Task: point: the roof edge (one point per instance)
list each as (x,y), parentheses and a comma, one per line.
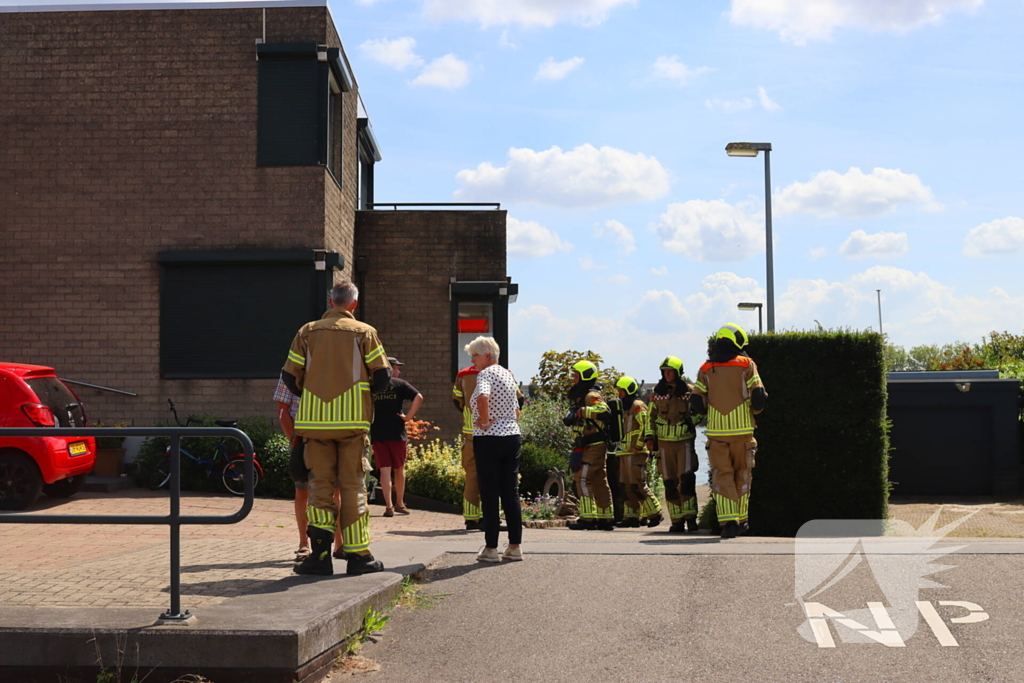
(134,5)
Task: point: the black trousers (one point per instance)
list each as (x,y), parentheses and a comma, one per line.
(497,471)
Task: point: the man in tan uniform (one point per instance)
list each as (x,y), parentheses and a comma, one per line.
(330,366)
(670,433)
(465,383)
(729,386)
(586,418)
(641,508)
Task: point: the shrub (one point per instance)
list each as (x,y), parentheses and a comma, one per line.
(822,440)
(541,507)
(541,425)
(434,470)
(534,464)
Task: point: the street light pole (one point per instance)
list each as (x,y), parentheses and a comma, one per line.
(751,149)
(749,306)
(879,293)
(768,238)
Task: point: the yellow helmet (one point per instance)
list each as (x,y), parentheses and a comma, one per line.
(735,333)
(587,370)
(673,363)
(627,384)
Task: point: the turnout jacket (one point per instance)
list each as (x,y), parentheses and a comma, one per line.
(588,428)
(726,389)
(462,391)
(670,418)
(635,419)
(333,360)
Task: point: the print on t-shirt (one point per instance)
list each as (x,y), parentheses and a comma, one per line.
(387,404)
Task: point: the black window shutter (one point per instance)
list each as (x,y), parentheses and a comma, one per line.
(289,111)
(220,320)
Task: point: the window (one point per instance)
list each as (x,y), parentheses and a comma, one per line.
(300,106)
(234,314)
(476,318)
(479,308)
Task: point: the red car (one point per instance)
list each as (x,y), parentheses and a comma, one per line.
(32,396)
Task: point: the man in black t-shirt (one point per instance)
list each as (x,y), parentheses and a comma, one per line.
(388,435)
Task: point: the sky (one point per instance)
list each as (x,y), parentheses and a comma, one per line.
(600,126)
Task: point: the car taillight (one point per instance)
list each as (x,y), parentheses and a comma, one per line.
(38,414)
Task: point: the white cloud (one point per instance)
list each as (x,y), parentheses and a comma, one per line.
(660,271)
(550,70)
(710,231)
(878,245)
(767,103)
(368,2)
(729,106)
(398,53)
(526,239)
(1004,236)
(583,177)
(801,21)
(670,68)
(622,235)
(853,194)
(505,41)
(587,263)
(447,72)
(817,253)
(526,13)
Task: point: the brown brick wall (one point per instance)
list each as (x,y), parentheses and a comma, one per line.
(410,258)
(126,133)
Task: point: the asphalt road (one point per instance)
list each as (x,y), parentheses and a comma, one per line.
(597,617)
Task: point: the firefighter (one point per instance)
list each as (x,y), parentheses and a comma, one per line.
(330,366)
(465,383)
(641,508)
(587,417)
(730,390)
(671,433)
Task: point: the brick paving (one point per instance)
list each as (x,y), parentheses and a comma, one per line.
(72,566)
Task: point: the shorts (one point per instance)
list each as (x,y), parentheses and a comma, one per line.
(389,453)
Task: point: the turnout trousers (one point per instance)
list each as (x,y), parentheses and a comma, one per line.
(471,509)
(343,461)
(640,502)
(678,469)
(731,459)
(592,484)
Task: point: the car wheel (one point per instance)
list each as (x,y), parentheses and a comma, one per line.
(20,481)
(65,488)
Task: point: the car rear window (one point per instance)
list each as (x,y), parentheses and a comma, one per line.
(58,398)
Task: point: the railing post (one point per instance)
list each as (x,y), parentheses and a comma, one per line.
(175,613)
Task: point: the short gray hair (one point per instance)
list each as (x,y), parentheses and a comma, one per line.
(484,346)
(344,293)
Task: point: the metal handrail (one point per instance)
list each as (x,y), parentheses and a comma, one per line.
(97,386)
(496,205)
(174,519)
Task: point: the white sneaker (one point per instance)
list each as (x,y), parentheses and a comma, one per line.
(512,554)
(488,555)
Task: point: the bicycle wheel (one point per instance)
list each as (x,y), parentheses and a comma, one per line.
(160,475)
(234,476)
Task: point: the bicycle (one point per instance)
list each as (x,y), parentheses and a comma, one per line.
(232,471)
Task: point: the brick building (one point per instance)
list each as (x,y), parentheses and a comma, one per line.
(180,187)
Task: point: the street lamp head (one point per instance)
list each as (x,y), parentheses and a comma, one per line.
(748,306)
(747,149)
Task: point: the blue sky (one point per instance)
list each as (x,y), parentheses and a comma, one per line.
(601,125)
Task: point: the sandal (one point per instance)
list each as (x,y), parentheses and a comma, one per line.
(302,553)
(389,512)
(401,509)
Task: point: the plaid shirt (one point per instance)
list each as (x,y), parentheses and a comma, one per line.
(283,395)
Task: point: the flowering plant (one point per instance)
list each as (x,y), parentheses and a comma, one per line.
(541,507)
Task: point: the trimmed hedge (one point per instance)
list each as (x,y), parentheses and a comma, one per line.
(823,443)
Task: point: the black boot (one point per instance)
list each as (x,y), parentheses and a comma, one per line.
(677,528)
(692,526)
(363,564)
(730,530)
(582,525)
(318,562)
(608,525)
(628,523)
(744,528)
(473,525)
(655,519)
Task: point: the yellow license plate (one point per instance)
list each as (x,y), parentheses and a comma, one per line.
(78,448)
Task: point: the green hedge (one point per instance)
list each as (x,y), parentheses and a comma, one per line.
(534,464)
(823,441)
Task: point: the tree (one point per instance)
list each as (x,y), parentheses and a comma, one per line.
(554,374)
